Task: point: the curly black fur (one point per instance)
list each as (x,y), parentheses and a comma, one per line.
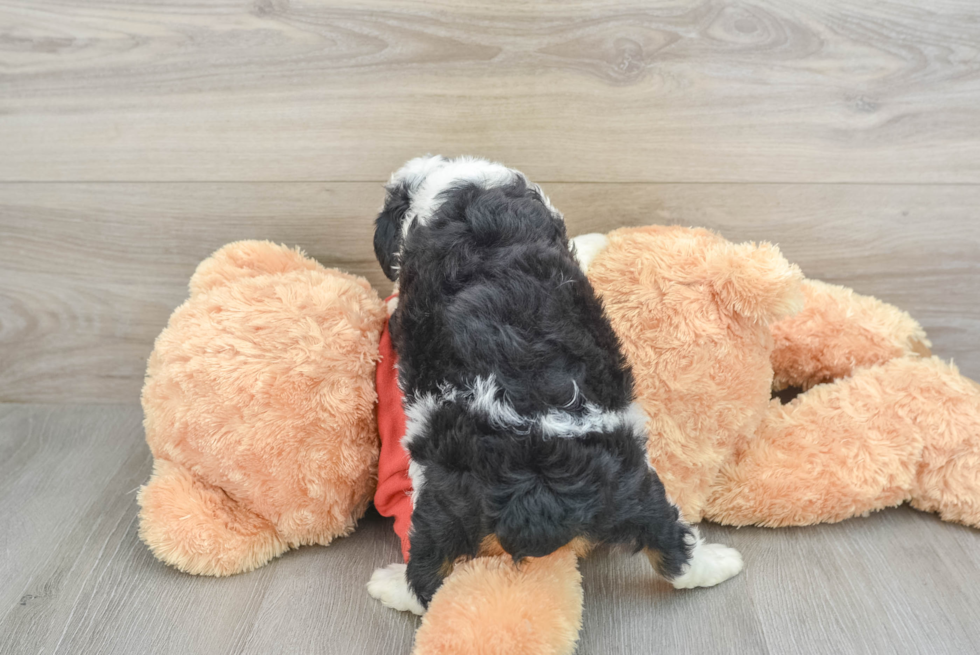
(489,289)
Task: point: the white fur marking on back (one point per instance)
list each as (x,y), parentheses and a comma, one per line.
(482,395)
(485,398)
(556,422)
(417,415)
(416,473)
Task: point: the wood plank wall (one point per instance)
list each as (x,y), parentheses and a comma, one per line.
(136,136)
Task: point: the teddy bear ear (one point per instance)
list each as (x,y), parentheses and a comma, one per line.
(755,280)
(243,259)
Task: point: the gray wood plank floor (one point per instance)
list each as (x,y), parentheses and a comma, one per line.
(74,577)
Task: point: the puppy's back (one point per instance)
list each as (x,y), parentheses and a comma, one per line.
(490,290)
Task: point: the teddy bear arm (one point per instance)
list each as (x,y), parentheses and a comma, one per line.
(199,529)
(838,331)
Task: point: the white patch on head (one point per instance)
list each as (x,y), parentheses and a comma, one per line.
(428,177)
(586,247)
(709,565)
(414,171)
(390,586)
(427,199)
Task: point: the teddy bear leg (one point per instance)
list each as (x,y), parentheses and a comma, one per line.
(948,480)
(491,606)
(837,331)
(836,451)
(198,529)
(908,430)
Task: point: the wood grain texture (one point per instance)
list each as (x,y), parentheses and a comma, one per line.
(89,273)
(76,579)
(896,582)
(303,90)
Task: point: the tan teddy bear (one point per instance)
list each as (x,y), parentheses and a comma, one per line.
(260,395)
(259,407)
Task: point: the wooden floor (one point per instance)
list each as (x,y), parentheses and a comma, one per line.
(76,579)
(137,136)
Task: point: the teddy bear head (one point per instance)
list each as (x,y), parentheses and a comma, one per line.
(259,411)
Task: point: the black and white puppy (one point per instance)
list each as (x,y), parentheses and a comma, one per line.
(519,401)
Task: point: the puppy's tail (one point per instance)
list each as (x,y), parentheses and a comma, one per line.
(535,523)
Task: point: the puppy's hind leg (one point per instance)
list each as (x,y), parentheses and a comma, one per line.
(390,586)
(438,540)
(440,535)
(676,549)
(708,565)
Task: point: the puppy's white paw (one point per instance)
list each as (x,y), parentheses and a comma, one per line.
(709,565)
(390,586)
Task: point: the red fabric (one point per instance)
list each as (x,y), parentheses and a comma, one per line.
(394,494)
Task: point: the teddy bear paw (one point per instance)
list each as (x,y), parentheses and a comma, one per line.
(390,586)
(710,564)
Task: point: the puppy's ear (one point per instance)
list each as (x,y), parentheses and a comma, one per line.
(388,228)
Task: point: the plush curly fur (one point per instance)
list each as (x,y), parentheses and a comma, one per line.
(711,327)
(259,411)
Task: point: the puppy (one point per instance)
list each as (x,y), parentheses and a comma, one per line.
(519,402)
